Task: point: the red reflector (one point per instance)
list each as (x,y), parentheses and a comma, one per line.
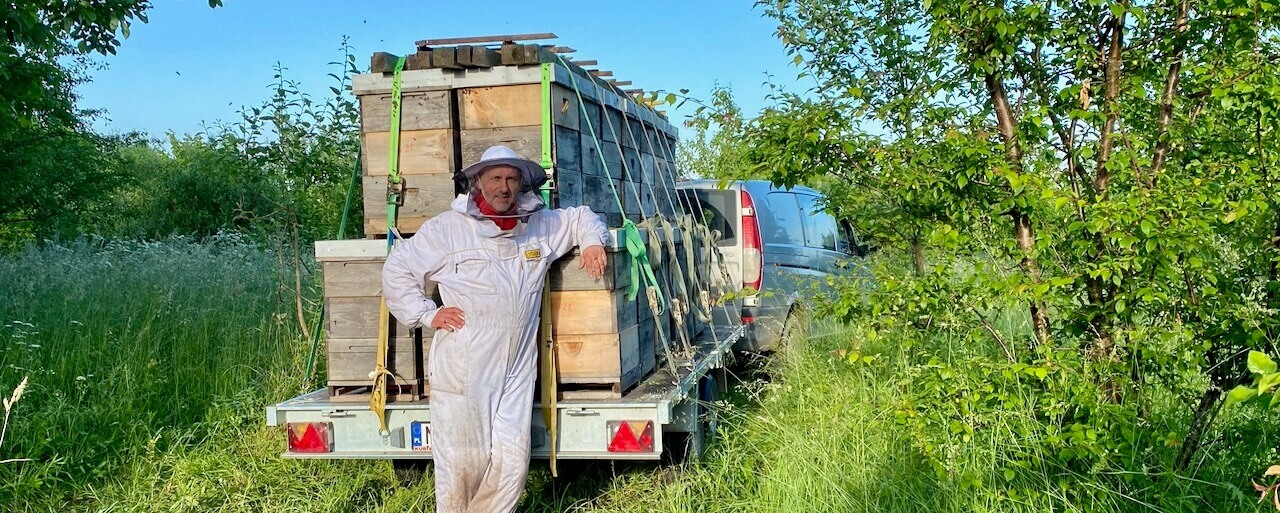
(310,436)
(630,436)
(747,319)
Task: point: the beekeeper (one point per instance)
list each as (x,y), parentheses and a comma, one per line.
(489,255)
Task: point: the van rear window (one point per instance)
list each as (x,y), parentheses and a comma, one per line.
(711,206)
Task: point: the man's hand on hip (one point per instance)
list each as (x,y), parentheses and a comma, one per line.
(449,319)
(594,261)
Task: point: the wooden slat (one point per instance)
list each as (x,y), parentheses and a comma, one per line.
(517,55)
(497,107)
(421,152)
(486,39)
(596,73)
(620,83)
(445,58)
(383,62)
(362,279)
(586,312)
(482,57)
(610,358)
(585,63)
(418,60)
(562,49)
(426,110)
(526,141)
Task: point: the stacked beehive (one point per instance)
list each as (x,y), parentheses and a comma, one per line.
(607,151)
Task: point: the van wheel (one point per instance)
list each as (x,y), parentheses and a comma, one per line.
(796,326)
(692,447)
(408,473)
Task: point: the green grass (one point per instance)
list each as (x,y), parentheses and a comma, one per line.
(151,364)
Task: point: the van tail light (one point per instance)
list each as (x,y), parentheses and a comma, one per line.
(310,436)
(752,250)
(630,435)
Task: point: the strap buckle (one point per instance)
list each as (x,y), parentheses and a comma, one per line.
(395,192)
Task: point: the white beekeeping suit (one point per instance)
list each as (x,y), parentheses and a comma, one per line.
(482,374)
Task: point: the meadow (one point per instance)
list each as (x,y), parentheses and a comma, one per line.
(149,365)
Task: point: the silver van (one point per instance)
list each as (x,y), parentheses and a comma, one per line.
(779,242)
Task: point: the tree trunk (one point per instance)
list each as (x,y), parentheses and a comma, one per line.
(1204,414)
(917,251)
(1024,236)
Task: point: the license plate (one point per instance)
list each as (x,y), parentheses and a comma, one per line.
(420,436)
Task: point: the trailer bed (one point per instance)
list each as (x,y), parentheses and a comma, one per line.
(664,398)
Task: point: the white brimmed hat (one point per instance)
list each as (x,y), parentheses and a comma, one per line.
(532,173)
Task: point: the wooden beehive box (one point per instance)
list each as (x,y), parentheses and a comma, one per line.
(352,277)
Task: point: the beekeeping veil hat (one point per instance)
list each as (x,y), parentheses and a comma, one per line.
(531,172)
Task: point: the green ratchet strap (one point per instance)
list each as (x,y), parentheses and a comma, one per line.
(630,234)
(342,234)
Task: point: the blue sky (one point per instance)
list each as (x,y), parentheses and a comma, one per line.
(192,64)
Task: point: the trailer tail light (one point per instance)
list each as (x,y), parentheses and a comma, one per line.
(630,435)
(310,436)
(752,250)
(748,319)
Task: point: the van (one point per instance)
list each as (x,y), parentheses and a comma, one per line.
(778,242)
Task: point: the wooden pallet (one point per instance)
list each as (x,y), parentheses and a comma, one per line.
(398,392)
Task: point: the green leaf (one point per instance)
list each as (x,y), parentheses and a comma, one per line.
(1267,382)
(1240,394)
(671,98)
(1260,363)
(1231,216)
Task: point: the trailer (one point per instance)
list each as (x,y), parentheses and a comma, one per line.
(628,364)
(665,413)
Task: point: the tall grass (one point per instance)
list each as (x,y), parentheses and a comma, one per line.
(125,344)
(150,365)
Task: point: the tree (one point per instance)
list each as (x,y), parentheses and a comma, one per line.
(1116,153)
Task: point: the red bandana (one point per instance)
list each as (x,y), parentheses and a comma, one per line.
(505,223)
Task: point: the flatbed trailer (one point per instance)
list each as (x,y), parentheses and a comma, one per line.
(666,412)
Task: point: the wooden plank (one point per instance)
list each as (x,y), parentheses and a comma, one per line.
(497,107)
(482,57)
(350,360)
(600,73)
(362,279)
(486,39)
(607,358)
(585,63)
(463,56)
(517,55)
(440,79)
(562,49)
(426,110)
(418,60)
(425,196)
(383,62)
(564,274)
(526,141)
(357,317)
(445,58)
(588,312)
(421,152)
